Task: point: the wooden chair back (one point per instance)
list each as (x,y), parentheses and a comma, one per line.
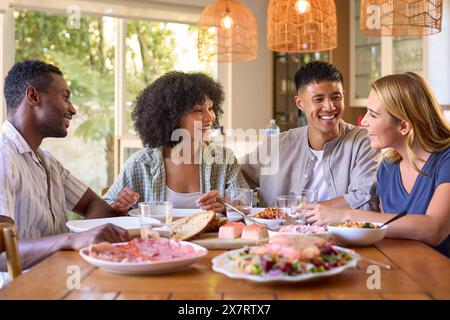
(8,244)
(104,190)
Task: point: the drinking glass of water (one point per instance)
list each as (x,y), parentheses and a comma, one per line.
(306,198)
(155,214)
(241,199)
(286,206)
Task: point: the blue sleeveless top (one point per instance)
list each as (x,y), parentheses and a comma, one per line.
(396,199)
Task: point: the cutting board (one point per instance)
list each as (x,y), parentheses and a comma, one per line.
(211,241)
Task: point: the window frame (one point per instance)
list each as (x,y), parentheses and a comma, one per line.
(387,63)
(120,144)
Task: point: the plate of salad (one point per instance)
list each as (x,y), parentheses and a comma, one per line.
(286,258)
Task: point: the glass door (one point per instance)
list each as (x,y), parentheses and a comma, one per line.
(407,55)
(367,59)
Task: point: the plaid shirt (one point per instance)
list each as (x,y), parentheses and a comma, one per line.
(144,172)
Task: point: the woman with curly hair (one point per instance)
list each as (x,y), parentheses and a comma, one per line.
(173,117)
(404,118)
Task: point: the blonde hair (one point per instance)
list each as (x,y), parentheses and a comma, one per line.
(408,97)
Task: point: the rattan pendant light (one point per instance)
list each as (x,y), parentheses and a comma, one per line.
(400,17)
(227,32)
(301,25)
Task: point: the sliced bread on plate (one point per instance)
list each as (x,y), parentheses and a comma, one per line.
(189,227)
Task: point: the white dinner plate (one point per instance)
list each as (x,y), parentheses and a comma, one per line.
(148,267)
(123,222)
(176,213)
(223,264)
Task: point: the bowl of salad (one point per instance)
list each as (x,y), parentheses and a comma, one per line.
(356,233)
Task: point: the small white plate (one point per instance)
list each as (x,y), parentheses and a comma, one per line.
(324,234)
(176,213)
(123,222)
(148,267)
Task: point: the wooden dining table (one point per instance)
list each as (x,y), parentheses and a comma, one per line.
(418,272)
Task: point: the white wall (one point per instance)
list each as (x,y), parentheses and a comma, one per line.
(252,81)
(439,58)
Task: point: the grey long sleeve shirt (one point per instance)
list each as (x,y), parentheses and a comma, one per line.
(349,169)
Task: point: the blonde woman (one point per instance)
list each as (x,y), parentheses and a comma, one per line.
(404,118)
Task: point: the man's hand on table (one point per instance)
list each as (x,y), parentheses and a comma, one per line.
(104,233)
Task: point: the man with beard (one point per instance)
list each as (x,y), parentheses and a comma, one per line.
(36,191)
(328,155)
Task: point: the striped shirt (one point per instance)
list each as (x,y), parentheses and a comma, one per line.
(144,172)
(36,191)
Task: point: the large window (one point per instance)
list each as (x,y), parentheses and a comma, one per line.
(154,48)
(86,56)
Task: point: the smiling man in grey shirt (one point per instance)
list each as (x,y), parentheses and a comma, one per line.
(328,155)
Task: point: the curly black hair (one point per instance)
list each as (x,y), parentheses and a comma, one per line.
(160,106)
(23,74)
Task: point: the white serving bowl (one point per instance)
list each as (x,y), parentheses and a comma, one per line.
(271,223)
(358,236)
